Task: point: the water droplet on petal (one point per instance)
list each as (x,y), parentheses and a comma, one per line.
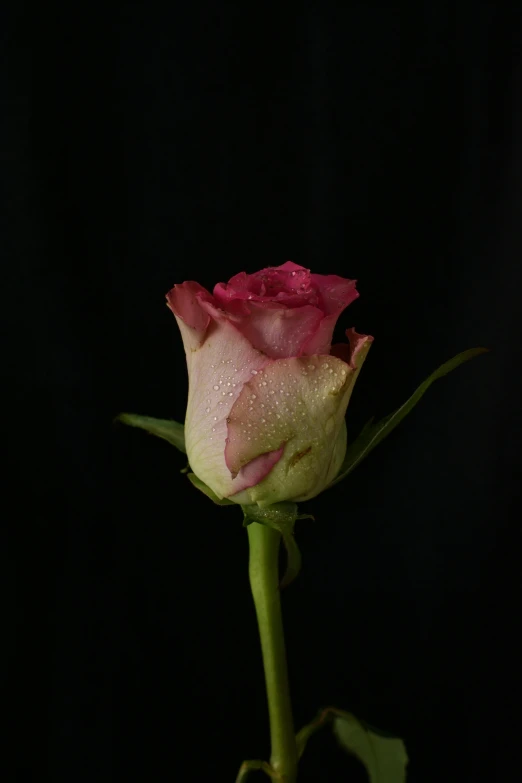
(253,372)
(215,387)
(230,394)
(207,410)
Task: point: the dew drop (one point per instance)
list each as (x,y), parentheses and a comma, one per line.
(207,410)
(311,366)
(264,383)
(287,394)
(253,397)
(215,387)
(230,394)
(253,372)
(223,394)
(263,421)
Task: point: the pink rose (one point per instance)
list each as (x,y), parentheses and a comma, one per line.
(267,391)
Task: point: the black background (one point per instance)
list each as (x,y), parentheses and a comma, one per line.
(144,146)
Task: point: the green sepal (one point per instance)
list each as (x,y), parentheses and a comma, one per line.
(372,434)
(171,431)
(280,517)
(208,492)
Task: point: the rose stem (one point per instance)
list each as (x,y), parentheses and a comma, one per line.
(264,581)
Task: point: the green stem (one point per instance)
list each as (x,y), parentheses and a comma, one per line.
(264,582)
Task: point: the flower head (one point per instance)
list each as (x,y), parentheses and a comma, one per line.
(267,391)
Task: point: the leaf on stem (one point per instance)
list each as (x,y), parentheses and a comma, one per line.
(372,434)
(171,431)
(384,757)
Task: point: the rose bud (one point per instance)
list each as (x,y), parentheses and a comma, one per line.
(267,390)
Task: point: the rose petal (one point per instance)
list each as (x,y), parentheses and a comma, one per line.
(215,382)
(279,331)
(185,302)
(335,294)
(256,470)
(299,402)
(348,352)
(288,284)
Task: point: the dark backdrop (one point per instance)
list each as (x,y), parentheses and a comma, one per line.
(144,146)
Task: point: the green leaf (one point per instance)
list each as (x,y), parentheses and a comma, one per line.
(171,431)
(280,517)
(208,492)
(384,757)
(372,434)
